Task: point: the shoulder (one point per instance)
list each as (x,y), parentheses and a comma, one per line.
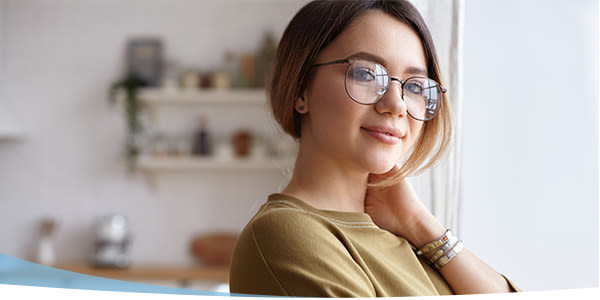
(298,252)
(291,221)
(274,244)
(285,216)
(280,222)
(293,239)
(286,231)
(282,225)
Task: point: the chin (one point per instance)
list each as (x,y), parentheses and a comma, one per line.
(380,161)
(381,166)
(382,171)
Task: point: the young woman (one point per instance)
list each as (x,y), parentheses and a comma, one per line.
(358,84)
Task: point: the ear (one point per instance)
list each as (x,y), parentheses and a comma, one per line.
(301,105)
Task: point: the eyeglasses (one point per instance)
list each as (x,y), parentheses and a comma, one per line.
(367,82)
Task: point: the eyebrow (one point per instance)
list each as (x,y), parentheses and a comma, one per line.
(416,71)
(381,61)
(368,56)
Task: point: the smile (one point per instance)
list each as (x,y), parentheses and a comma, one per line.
(384,134)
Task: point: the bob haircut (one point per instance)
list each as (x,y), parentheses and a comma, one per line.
(312,29)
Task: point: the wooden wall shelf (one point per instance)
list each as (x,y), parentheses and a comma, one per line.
(150,163)
(183,275)
(178,96)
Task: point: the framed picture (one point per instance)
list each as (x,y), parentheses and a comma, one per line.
(144,58)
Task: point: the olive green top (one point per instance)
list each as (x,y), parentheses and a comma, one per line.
(290,248)
(293,249)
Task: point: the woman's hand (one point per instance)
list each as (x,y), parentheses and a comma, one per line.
(398,209)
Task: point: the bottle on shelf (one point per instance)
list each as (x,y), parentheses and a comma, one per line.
(202,142)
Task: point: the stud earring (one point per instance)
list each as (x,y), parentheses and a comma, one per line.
(301,108)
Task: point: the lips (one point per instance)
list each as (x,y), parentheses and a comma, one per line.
(384,134)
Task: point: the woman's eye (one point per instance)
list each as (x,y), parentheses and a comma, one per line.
(413,88)
(362,74)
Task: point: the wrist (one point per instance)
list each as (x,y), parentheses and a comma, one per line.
(425,230)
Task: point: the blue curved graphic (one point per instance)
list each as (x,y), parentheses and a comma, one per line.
(16,271)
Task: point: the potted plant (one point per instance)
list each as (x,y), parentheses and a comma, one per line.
(133,106)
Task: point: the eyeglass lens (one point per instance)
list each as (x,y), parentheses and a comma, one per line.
(367,82)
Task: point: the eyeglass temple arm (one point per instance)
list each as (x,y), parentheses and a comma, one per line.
(442,89)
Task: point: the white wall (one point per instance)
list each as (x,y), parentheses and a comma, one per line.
(530,201)
(61,57)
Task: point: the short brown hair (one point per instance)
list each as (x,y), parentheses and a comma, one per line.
(312,29)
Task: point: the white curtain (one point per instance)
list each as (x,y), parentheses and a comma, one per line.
(440,187)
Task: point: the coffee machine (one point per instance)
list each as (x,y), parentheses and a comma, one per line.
(112,242)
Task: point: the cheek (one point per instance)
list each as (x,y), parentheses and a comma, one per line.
(415,128)
(329,105)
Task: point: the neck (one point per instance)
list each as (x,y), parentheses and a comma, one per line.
(326,183)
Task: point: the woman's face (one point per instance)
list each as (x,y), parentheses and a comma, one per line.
(371,138)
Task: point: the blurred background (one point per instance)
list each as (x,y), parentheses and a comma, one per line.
(135,134)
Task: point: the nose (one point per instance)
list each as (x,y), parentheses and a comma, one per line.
(392,101)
